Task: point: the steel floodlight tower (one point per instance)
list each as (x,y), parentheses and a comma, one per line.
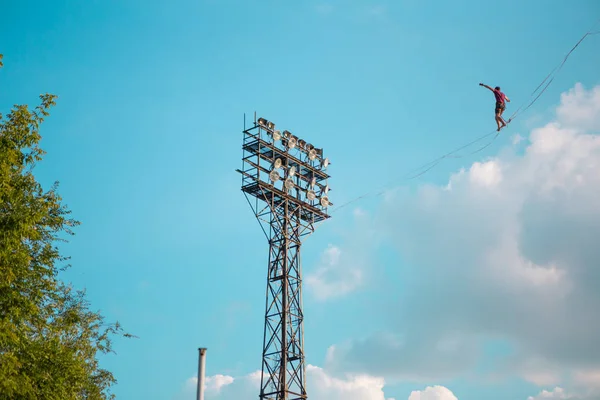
(285,183)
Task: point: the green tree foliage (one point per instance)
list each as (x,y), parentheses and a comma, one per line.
(49,339)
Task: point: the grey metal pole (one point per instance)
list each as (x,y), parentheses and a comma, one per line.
(201,369)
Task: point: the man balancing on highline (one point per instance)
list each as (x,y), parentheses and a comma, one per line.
(501,100)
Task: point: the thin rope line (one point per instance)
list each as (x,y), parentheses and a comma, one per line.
(435,162)
(556,69)
(431,165)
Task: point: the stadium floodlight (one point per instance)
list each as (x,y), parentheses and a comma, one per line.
(325,163)
(289,184)
(292,171)
(310,193)
(292,142)
(274,176)
(287,213)
(324,198)
(270,125)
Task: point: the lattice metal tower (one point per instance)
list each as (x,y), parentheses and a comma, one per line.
(285,183)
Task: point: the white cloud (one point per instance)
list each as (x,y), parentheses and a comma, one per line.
(320,384)
(539,371)
(516,139)
(587,377)
(556,394)
(359,387)
(579,108)
(509,249)
(217,382)
(411,357)
(433,393)
(213,385)
(338,274)
(344,270)
(333,278)
(220,387)
(487,174)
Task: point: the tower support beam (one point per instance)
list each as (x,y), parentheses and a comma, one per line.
(283,369)
(288,208)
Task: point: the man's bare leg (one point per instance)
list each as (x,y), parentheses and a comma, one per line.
(502,118)
(499,122)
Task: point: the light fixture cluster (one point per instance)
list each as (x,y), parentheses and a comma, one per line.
(313,157)
(290,142)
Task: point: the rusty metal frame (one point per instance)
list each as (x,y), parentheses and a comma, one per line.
(285,219)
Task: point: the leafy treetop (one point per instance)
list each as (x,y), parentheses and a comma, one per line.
(49,338)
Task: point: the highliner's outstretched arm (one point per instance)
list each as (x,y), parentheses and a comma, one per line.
(486,86)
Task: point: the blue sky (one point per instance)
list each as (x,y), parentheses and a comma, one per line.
(146,136)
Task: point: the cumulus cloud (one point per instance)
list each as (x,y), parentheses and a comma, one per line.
(222,387)
(556,394)
(341,270)
(359,387)
(213,384)
(516,139)
(334,277)
(559,393)
(589,378)
(217,382)
(433,393)
(322,387)
(488,174)
(579,107)
(507,250)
